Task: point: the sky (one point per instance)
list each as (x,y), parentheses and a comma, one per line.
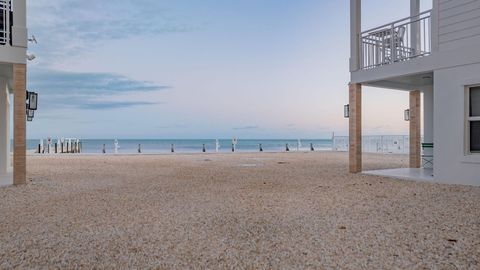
(202,69)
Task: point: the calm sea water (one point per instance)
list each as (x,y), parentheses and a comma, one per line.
(128,146)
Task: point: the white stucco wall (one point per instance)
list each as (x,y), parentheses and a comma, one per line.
(452,164)
(17,52)
(4,128)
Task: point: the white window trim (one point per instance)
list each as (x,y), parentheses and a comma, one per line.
(469,119)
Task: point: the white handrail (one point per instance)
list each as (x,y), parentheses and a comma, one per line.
(397,21)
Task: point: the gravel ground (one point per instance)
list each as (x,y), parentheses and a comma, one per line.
(234,211)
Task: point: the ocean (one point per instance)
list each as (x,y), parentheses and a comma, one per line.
(152,146)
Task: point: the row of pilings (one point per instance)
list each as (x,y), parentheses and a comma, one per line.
(60,147)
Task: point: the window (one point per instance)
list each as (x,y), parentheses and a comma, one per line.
(473,123)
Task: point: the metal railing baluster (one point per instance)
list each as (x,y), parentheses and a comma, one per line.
(395,42)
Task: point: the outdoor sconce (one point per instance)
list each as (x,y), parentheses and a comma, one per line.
(30,115)
(406,115)
(32,98)
(346,111)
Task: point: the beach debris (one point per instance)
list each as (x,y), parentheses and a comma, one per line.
(342,227)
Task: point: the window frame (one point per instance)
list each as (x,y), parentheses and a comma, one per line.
(468,120)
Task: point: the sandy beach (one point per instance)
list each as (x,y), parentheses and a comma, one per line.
(234,211)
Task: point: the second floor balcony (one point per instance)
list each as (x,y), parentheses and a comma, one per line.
(398,41)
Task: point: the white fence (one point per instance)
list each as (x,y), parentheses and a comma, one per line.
(389,144)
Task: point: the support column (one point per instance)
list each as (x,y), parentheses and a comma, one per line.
(355,128)
(415,159)
(415,30)
(428,114)
(355,30)
(4,127)
(19,124)
(428,123)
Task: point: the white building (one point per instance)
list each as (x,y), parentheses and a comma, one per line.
(13,49)
(434,52)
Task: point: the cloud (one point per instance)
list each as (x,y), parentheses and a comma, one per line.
(70,27)
(172,126)
(380,127)
(113,105)
(78,83)
(90,91)
(246,128)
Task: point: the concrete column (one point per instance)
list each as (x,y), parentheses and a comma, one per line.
(355,30)
(4,127)
(415,159)
(428,122)
(415,29)
(19,124)
(355,128)
(428,114)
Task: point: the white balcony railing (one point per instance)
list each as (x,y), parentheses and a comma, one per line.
(5,21)
(395,42)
